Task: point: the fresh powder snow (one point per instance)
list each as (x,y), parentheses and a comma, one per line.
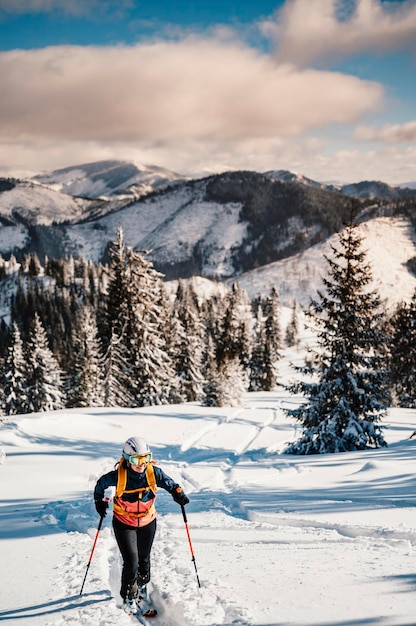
(279,540)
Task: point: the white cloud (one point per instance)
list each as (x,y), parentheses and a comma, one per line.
(311,156)
(390,164)
(306,31)
(207,104)
(390,133)
(194,89)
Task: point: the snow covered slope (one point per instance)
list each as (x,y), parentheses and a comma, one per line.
(218,227)
(171,229)
(389,243)
(362,189)
(278,540)
(30,203)
(108,178)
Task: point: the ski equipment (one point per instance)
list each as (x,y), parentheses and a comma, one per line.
(130,606)
(93,548)
(146,608)
(190,543)
(180,497)
(122,479)
(136,451)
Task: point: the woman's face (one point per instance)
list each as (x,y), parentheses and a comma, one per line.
(138,468)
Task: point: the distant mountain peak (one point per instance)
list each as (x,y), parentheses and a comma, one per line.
(108,178)
(286,176)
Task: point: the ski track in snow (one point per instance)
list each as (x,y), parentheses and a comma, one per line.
(249,505)
(295,529)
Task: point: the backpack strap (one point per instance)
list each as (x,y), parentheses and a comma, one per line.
(122,479)
(150,476)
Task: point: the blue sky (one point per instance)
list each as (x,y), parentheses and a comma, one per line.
(106,23)
(325,88)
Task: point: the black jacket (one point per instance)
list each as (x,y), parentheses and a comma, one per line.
(134,481)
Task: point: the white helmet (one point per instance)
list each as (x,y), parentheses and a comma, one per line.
(136,447)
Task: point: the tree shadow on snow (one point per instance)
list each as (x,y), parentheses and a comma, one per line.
(360,622)
(55,606)
(37,517)
(61,447)
(408,580)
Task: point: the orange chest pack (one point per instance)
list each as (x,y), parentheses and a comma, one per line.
(144,508)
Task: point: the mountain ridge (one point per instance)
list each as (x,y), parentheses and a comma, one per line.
(108,177)
(104,179)
(221,226)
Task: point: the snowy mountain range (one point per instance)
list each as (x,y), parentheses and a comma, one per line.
(104,179)
(364,189)
(257,228)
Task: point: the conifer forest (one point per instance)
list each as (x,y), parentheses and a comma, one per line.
(81,334)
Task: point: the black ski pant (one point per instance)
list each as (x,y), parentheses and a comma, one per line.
(135,544)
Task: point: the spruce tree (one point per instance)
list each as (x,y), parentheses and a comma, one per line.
(117,374)
(210,388)
(234,340)
(189,346)
(87,380)
(266,343)
(117,324)
(45,389)
(272,337)
(227,383)
(118,311)
(15,376)
(346,401)
(403,354)
(153,372)
(258,356)
(174,333)
(135,320)
(292,329)
(230,331)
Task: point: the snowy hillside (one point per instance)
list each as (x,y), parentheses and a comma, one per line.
(217,227)
(26,202)
(278,539)
(374,189)
(170,229)
(108,178)
(220,227)
(111,177)
(286,176)
(362,189)
(389,242)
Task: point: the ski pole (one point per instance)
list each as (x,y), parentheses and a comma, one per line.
(93,548)
(190,542)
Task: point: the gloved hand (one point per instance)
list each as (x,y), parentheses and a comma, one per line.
(180,497)
(101,507)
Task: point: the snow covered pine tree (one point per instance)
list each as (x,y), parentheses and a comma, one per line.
(345,404)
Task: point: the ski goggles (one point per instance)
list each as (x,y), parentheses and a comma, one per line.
(138,459)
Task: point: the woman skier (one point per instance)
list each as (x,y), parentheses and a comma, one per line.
(136,479)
